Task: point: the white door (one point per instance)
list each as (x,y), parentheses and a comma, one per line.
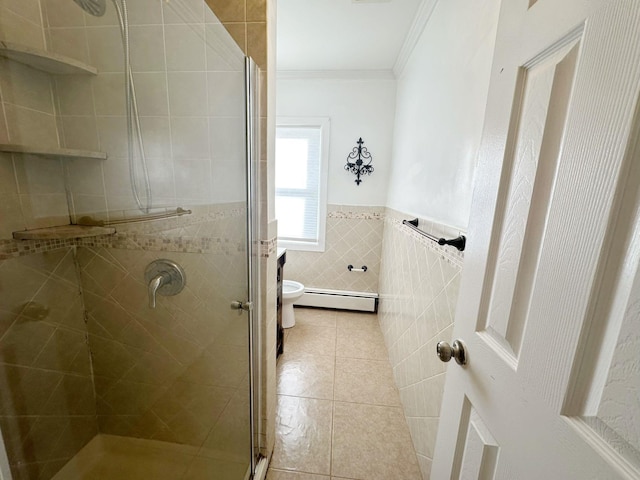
(549,308)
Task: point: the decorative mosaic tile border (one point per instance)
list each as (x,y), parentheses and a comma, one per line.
(155,238)
(173,234)
(125,241)
(268,247)
(21,248)
(357,215)
(352,212)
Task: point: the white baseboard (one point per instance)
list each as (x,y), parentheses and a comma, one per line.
(339,299)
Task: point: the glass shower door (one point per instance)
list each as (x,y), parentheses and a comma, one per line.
(131,134)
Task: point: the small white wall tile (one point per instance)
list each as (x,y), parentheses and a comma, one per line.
(184,12)
(80,132)
(225,89)
(190,137)
(63,14)
(112,134)
(185,48)
(17,29)
(187,93)
(152,94)
(26,87)
(146,47)
(156,135)
(30,127)
(105,48)
(27,9)
(108,93)
(72,42)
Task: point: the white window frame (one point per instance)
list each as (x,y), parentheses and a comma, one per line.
(324,124)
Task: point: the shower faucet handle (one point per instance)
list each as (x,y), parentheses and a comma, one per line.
(164,277)
(154,285)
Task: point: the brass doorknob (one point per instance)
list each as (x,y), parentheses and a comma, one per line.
(445,352)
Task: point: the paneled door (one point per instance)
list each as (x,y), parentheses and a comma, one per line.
(549,308)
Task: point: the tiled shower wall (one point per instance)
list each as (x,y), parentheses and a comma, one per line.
(189,84)
(353,237)
(175,373)
(81,352)
(419,284)
(189,78)
(32,191)
(47,404)
(181,54)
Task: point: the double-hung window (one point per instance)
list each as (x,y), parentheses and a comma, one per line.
(301,182)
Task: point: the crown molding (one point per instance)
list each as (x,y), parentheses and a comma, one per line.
(417,27)
(335,75)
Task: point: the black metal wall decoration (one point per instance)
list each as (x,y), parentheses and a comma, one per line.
(360,154)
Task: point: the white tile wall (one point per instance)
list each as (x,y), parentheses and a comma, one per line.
(189,85)
(419,283)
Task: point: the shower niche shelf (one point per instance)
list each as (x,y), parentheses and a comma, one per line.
(52,152)
(63,232)
(46,61)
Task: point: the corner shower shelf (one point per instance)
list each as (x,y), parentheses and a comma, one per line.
(52,151)
(46,61)
(64,232)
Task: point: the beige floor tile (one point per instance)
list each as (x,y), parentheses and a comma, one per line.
(365,381)
(357,320)
(303,375)
(372,442)
(360,340)
(303,435)
(283,475)
(312,340)
(315,317)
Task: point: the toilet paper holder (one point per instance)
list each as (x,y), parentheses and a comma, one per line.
(351,269)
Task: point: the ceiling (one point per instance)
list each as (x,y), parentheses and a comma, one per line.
(342,34)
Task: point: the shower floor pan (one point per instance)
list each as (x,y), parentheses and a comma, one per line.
(108,457)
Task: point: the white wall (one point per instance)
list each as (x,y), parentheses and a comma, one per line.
(440,109)
(357,108)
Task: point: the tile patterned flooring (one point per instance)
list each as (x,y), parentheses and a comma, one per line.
(339,413)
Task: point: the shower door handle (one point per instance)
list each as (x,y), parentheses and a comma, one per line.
(237,305)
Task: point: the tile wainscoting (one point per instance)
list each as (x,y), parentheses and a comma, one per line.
(353,236)
(419,283)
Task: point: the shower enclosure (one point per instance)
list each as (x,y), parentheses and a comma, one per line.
(126,134)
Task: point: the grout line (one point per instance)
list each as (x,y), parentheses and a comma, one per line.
(333,402)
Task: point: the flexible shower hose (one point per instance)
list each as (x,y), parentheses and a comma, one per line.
(133,117)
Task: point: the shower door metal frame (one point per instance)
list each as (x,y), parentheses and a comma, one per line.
(253,267)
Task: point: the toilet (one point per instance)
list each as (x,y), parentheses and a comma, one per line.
(291,291)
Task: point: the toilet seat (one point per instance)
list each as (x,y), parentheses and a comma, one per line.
(292,289)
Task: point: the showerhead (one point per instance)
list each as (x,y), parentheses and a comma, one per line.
(93,7)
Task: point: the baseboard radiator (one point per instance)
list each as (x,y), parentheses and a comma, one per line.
(339,299)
